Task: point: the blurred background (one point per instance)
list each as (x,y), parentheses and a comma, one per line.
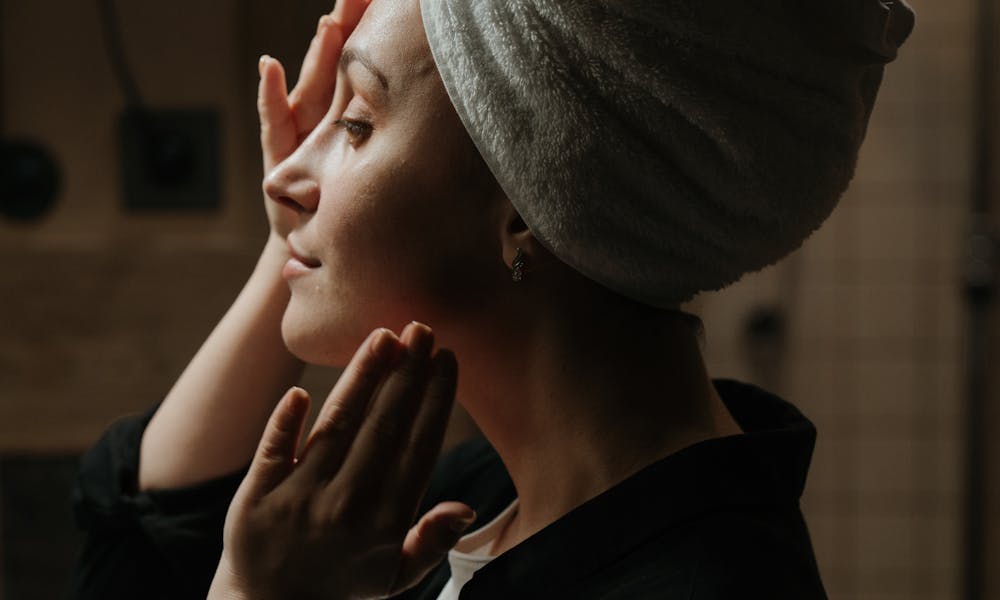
(118,255)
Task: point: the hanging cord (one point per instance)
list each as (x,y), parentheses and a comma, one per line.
(111,31)
(167,154)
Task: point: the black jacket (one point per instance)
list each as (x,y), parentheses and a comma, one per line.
(719,519)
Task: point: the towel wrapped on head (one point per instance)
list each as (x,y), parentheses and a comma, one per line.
(663,148)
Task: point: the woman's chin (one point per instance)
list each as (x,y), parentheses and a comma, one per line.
(315,344)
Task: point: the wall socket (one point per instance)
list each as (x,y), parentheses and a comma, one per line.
(170,159)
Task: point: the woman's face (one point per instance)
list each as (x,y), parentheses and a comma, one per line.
(396,206)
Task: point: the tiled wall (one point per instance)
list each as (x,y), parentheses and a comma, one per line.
(874,353)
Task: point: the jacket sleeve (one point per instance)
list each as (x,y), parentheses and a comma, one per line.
(151,544)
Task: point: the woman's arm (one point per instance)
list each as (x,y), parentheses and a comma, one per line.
(212,419)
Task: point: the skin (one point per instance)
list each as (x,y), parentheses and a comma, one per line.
(576,387)
(399,234)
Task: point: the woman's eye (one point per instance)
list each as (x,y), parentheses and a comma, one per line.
(358,130)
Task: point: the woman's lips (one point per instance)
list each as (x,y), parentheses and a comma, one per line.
(299,255)
(299,263)
(295,268)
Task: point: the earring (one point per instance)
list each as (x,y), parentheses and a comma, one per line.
(518,266)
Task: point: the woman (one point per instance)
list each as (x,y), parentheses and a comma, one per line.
(543,183)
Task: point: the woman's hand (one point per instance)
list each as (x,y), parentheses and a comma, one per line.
(287,118)
(335,523)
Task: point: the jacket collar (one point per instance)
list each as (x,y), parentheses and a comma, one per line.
(765,466)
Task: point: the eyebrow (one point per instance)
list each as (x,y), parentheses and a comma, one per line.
(350,54)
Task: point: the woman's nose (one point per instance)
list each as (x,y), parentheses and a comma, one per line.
(291,185)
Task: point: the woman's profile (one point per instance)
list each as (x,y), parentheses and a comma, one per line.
(503,204)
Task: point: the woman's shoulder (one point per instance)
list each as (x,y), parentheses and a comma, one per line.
(725,554)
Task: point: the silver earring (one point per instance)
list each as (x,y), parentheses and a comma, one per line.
(518,266)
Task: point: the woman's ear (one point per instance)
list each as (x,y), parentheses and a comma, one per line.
(515,234)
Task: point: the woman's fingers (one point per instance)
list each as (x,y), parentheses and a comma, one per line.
(344,410)
(359,480)
(401,437)
(348,13)
(278,137)
(382,439)
(429,541)
(275,456)
(311,98)
(429,426)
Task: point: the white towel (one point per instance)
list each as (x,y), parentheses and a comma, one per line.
(666,147)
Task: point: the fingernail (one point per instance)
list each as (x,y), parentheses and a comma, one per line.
(323,22)
(460,525)
(384,344)
(261,62)
(297,399)
(418,338)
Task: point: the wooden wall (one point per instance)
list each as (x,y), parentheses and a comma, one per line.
(102,308)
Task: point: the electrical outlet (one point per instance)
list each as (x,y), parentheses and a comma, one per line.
(170,159)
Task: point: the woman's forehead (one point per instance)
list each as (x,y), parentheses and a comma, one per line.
(391,32)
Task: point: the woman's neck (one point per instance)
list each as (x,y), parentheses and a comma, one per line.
(584,397)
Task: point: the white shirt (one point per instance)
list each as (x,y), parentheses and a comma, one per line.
(472,552)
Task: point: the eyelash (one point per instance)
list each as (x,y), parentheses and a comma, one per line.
(355,129)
